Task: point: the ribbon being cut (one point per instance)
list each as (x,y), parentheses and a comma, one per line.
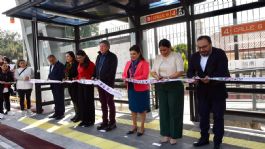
(118,94)
(189,80)
(83,81)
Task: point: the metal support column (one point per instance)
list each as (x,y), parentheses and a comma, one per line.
(156,53)
(138,32)
(36,64)
(193,95)
(236,48)
(77,38)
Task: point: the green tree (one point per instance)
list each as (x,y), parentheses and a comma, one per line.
(11,45)
(183,49)
(85,31)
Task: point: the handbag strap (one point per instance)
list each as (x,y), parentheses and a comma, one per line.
(22,71)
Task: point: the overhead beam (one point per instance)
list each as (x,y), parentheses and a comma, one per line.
(108,35)
(41,20)
(77,14)
(86,6)
(55,39)
(22,7)
(108,18)
(147,11)
(117,5)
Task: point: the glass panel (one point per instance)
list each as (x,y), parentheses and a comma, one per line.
(103,28)
(119,45)
(89,30)
(56,31)
(161,3)
(58,49)
(104,10)
(64,5)
(212,5)
(51,47)
(176,34)
(249,47)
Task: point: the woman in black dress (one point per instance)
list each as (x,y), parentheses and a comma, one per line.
(71,74)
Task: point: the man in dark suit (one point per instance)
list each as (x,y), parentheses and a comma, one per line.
(106,66)
(57,73)
(206,63)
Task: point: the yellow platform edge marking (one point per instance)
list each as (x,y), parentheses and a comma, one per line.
(75,135)
(154,125)
(64,130)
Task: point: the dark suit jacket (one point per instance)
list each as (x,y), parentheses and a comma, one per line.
(7,77)
(217,66)
(57,72)
(108,70)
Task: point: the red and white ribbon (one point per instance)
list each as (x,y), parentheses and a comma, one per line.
(82,81)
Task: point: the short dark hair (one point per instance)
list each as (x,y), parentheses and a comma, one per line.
(106,42)
(164,43)
(7,59)
(137,49)
(208,38)
(51,56)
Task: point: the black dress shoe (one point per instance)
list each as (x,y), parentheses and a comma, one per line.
(72,119)
(102,126)
(59,117)
(201,142)
(6,113)
(83,124)
(53,116)
(111,127)
(217,146)
(76,120)
(132,131)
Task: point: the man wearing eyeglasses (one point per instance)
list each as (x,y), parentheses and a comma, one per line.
(206,63)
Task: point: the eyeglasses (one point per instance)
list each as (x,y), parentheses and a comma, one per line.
(202,47)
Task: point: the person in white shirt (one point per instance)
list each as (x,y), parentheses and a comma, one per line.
(24,88)
(169,65)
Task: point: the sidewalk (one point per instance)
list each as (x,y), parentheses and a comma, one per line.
(65,133)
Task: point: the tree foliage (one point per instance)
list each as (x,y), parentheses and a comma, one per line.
(11,45)
(183,49)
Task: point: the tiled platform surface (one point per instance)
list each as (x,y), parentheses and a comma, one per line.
(65,133)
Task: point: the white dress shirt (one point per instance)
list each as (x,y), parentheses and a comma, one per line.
(203,62)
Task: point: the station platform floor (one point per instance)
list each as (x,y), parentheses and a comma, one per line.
(66,134)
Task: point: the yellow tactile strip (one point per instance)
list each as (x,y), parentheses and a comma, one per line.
(64,130)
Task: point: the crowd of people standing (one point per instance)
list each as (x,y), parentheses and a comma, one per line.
(207,62)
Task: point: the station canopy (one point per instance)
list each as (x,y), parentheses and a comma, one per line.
(85,12)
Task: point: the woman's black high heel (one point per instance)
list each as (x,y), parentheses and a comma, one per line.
(140,133)
(132,131)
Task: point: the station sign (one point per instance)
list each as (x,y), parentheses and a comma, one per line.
(163,15)
(243,28)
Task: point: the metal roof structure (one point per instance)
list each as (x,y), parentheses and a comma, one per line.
(84,12)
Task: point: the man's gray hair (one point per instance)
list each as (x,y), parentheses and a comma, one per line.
(106,42)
